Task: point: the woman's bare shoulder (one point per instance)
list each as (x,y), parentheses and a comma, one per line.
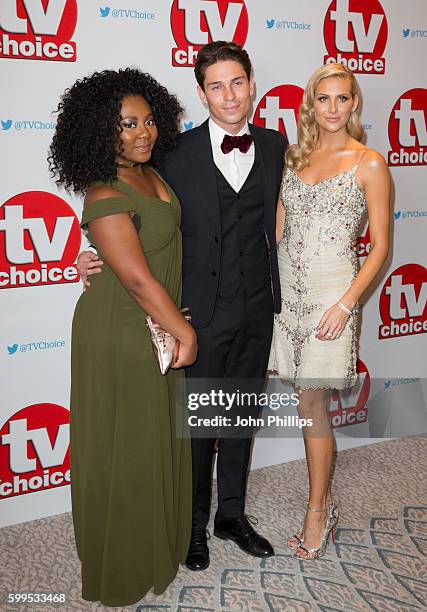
(372,160)
(100,191)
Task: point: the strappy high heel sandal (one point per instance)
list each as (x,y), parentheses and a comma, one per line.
(298,537)
(331,521)
(295,540)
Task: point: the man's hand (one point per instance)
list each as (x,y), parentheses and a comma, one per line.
(87,264)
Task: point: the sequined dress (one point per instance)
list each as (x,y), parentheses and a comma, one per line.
(317,264)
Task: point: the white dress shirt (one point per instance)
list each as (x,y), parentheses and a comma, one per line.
(235,166)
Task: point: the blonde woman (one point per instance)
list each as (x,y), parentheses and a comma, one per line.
(331,180)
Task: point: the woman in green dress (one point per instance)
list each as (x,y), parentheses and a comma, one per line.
(131,480)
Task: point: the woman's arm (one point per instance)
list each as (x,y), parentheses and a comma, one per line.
(374,179)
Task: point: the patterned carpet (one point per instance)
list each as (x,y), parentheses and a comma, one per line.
(378,562)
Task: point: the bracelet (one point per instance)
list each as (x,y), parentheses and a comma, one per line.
(344,308)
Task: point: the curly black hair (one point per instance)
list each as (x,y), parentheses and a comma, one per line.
(83,148)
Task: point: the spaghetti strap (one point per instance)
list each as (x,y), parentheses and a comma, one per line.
(356,167)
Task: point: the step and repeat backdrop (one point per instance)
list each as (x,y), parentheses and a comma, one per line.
(45,45)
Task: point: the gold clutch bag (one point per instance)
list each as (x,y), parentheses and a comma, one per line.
(163,342)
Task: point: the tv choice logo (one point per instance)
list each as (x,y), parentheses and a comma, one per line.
(39,241)
(195,23)
(28,347)
(348,406)
(403,302)
(407,129)
(278,109)
(355,33)
(38,30)
(34,450)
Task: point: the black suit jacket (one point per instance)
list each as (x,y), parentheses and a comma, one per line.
(190,170)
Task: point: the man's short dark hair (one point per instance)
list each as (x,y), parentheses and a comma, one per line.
(220,51)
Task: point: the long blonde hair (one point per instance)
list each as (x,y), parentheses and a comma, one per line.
(308,130)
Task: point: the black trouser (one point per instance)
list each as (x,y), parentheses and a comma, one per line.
(236,344)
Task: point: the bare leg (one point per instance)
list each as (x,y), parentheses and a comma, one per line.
(319,448)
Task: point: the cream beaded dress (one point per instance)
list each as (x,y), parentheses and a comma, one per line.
(317,265)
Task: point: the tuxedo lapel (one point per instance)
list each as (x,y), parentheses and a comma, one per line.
(204,174)
(262,151)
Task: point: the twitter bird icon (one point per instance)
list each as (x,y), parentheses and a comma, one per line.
(104,11)
(397,215)
(12,349)
(270,23)
(406,32)
(6,125)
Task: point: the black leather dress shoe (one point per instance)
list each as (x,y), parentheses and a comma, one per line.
(198,551)
(240,530)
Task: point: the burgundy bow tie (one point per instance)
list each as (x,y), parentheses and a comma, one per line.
(242,143)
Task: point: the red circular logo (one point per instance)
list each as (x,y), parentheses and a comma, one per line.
(34,450)
(348,407)
(278,109)
(195,23)
(39,241)
(355,33)
(407,129)
(38,30)
(403,302)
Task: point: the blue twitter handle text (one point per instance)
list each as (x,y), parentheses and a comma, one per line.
(34,346)
(107,11)
(26,124)
(409,33)
(285,24)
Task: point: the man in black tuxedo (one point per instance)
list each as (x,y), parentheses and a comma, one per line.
(227,175)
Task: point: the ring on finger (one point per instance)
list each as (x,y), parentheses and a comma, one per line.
(329,335)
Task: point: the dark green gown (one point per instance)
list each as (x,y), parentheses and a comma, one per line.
(131,475)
